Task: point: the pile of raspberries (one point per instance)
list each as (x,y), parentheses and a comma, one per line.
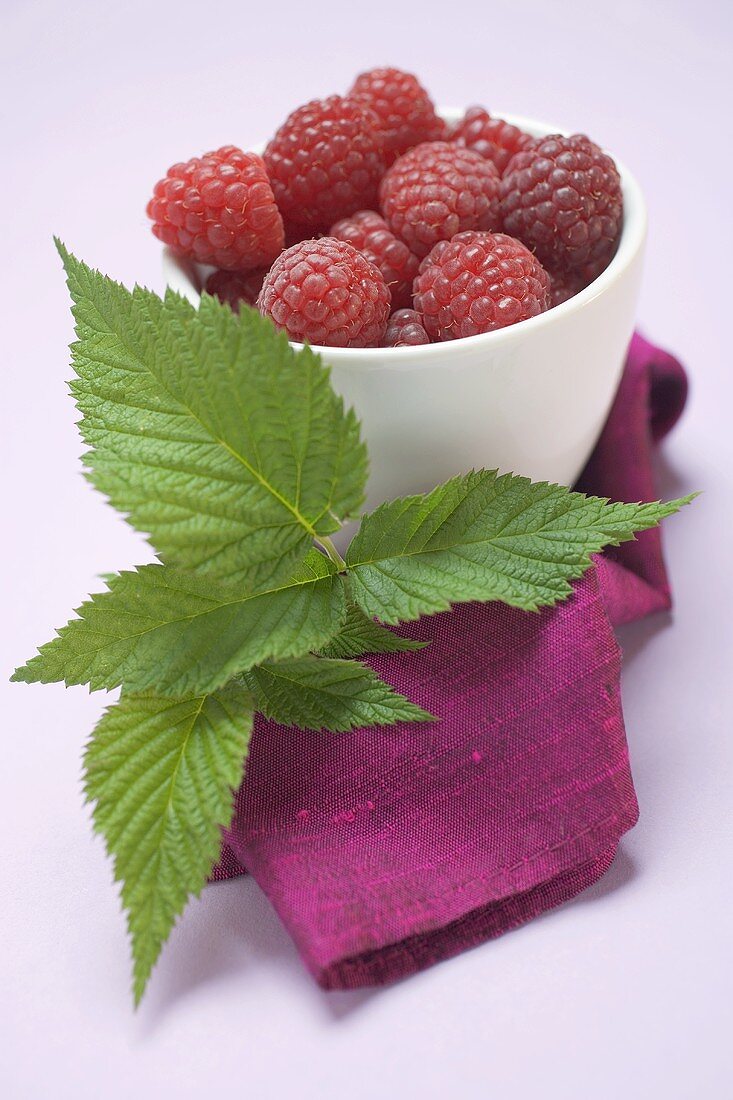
(371,222)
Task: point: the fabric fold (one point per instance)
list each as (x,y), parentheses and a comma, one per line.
(386,850)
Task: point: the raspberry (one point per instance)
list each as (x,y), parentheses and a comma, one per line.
(294,234)
(493,138)
(219,209)
(405,110)
(325,162)
(478,282)
(563,198)
(233,288)
(327,293)
(564,286)
(405,329)
(369,233)
(437,190)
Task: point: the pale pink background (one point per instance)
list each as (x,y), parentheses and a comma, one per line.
(622,993)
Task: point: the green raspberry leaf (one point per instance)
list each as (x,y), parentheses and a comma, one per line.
(214,436)
(485,537)
(360,635)
(231,451)
(175,634)
(161,773)
(318,693)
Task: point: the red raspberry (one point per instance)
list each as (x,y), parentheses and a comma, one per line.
(327,293)
(564,286)
(479,282)
(219,209)
(294,234)
(369,233)
(405,329)
(325,162)
(405,110)
(437,190)
(563,198)
(493,138)
(233,288)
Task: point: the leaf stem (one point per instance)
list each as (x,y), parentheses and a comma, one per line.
(326,544)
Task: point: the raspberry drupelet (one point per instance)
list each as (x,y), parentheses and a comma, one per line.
(437,190)
(562,198)
(405,330)
(478,282)
(404,109)
(324,163)
(233,288)
(326,292)
(219,209)
(370,234)
(493,138)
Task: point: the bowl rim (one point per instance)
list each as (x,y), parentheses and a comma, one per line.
(179,275)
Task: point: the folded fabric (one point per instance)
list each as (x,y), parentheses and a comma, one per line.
(386,850)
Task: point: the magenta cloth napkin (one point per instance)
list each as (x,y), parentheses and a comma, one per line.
(386,850)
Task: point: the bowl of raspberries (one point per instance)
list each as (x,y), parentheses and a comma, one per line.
(470,278)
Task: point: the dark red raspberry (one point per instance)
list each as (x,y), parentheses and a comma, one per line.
(369,232)
(325,162)
(437,190)
(294,234)
(234,288)
(405,329)
(478,282)
(563,286)
(493,138)
(405,110)
(327,293)
(562,197)
(219,209)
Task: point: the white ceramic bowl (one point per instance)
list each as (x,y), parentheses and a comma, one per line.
(531,398)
